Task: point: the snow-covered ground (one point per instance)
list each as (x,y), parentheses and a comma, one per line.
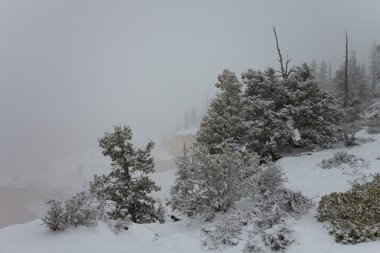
(303,173)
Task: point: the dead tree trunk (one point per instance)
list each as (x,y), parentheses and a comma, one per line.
(346,76)
(285,72)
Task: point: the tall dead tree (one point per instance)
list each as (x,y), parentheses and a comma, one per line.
(346,75)
(375,67)
(285,71)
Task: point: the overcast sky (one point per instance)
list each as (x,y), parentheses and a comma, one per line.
(71,69)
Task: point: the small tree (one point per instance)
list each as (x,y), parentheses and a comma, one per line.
(126,189)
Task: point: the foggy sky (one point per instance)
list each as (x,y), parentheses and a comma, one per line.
(71,69)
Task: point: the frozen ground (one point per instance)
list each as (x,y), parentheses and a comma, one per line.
(302,171)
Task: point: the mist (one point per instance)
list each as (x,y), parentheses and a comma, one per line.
(70,70)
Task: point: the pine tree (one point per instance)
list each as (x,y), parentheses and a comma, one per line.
(222,123)
(314,113)
(127,187)
(264,113)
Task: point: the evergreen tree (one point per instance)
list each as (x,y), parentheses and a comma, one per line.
(222,123)
(127,187)
(313,112)
(264,113)
(322,75)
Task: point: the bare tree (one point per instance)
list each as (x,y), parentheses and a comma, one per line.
(285,70)
(346,75)
(375,66)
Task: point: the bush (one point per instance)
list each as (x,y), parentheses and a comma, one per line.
(278,238)
(210,183)
(354,216)
(78,210)
(265,215)
(342,158)
(374,125)
(55,218)
(226,233)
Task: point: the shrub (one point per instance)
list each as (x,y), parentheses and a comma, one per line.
(78,210)
(264,215)
(226,233)
(374,125)
(278,238)
(354,216)
(210,183)
(342,158)
(55,218)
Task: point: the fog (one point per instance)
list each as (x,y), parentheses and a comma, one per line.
(70,70)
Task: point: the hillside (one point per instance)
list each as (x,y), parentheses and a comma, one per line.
(303,173)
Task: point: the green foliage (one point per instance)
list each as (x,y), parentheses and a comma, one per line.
(126,189)
(312,110)
(354,215)
(209,183)
(222,123)
(265,116)
(374,125)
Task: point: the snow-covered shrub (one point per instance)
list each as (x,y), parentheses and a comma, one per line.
(77,210)
(251,247)
(354,216)
(268,179)
(160,212)
(209,183)
(117,226)
(226,233)
(80,210)
(263,213)
(342,158)
(374,125)
(273,208)
(278,238)
(55,218)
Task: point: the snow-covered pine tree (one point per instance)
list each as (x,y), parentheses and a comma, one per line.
(126,189)
(222,123)
(209,183)
(313,112)
(264,113)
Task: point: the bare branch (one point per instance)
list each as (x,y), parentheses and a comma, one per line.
(284,70)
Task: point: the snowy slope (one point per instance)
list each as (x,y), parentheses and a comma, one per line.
(303,173)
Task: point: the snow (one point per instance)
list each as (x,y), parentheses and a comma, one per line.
(303,173)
